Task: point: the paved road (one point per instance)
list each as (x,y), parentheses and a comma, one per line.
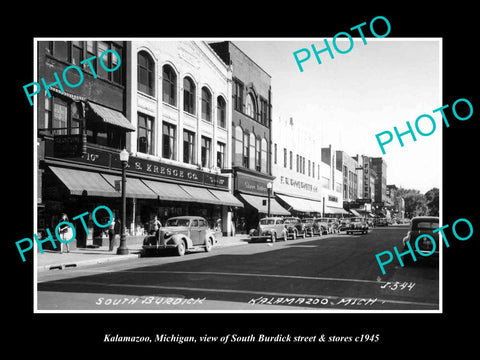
(336,272)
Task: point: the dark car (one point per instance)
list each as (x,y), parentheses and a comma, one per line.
(381,222)
(181,234)
(294,227)
(357,224)
(423,225)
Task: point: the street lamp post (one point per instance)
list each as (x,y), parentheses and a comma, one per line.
(122,249)
(269,192)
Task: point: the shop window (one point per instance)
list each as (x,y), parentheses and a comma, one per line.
(206,105)
(169,85)
(145,73)
(189,96)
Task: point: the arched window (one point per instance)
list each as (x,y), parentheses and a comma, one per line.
(206,104)
(221,112)
(250,108)
(169,85)
(146,73)
(188,95)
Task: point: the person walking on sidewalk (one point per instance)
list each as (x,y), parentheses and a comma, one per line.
(111,233)
(65,233)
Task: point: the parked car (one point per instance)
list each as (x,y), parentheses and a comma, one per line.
(357,224)
(327,225)
(294,227)
(311,226)
(181,234)
(381,222)
(423,225)
(269,228)
(344,224)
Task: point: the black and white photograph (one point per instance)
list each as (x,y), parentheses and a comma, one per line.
(243,178)
(216,175)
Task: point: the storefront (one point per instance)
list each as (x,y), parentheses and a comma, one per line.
(252,190)
(74,184)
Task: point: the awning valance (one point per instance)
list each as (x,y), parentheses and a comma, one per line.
(201,195)
(134,188)
(226,198)
(354,212)
(110,116)
(334,210)
(80,182)
(260,203)
(304,205)
(167,191)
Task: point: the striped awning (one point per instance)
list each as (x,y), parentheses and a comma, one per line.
(110,116)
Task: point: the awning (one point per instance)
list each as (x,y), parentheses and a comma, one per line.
(111,117)
(354,212)
(299,204)
(201,195)
(226,198)
(81,182)
(134,188)
(257,203)
(335,210)
(167,191)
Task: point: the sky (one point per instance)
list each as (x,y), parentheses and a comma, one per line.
(351,98)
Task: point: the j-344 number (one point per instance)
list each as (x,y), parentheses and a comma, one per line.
(398,285)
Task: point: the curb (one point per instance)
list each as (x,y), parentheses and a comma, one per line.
(113,258)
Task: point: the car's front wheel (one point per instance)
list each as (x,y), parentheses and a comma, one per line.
(208,245)
(180,249)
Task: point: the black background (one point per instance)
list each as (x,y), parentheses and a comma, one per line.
(82,334)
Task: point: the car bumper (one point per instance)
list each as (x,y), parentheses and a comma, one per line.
(159,247)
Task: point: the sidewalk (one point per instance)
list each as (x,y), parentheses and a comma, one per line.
(53,260)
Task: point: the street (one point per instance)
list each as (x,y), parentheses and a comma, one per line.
(332,272)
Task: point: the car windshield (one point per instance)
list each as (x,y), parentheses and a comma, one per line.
(267,222)
(425,225)
(178,222)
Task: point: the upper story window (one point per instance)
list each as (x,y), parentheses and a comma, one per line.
(146,73)
(75,52)
(250,109)
(169,140)
(221,112)
(144,134)
(264,112)
(188,95)
(237,95)
(169,85)
(206,104)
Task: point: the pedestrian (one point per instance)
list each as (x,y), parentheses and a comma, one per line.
(111,234)
(156,225)
(65,232)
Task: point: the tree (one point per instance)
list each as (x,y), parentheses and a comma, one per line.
(432,197)
(415,203)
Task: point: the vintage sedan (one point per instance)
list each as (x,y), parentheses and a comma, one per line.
(326,225)
(311,228)
(295,227)
(269,228)
(423,225)
(181,234)
(357,224)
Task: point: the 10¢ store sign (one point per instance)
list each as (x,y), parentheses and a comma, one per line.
(111,160)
